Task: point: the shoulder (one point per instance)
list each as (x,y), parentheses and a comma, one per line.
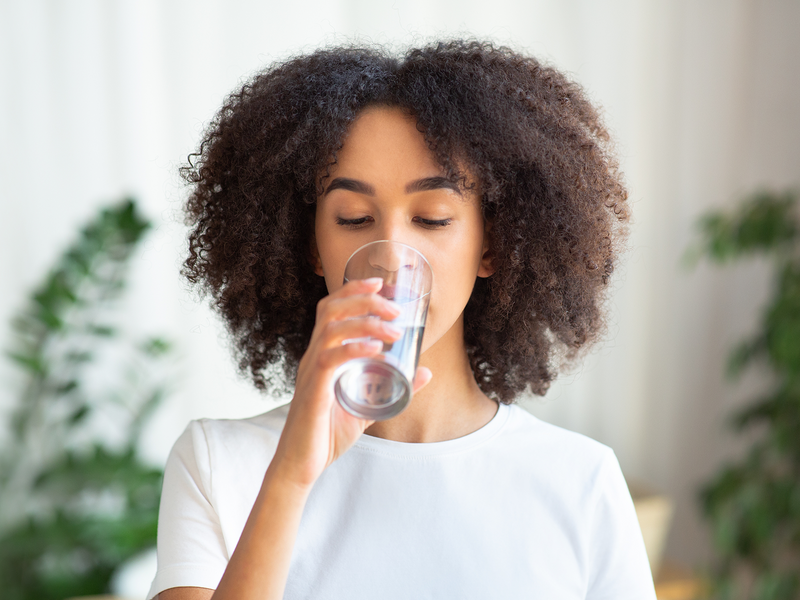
(222,434)
(212,443)
(575,497)
(570,468)
(220,463)
(562,447)
(258,429)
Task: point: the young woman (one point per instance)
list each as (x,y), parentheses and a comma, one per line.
(497,169)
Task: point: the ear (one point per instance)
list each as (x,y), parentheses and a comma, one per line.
(486,267)
(313,256)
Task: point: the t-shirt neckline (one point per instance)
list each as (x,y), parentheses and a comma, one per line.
(485,433)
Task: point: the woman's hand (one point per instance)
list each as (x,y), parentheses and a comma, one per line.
(318,430)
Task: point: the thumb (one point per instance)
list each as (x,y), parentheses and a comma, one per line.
(422,377)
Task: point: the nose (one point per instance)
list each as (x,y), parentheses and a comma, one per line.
(390,256)
(404,270)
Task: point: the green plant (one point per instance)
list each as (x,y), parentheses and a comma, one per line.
(76,500)
(754,504)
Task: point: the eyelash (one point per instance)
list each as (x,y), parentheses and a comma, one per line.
(429,223)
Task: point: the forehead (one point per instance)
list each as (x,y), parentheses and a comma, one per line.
(384,140)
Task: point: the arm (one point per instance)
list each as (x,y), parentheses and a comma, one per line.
(316,433)
(185,593)
(620,569)
(261,560)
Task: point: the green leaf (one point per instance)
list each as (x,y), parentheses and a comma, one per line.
(47,316)
(144,411)
(782,323)
(764,410)
(65,388)
(765,222)
(78,262)
(79,415)
(770,585)
(34,364)
(156,347)
(26,324)
(744,354)
(78,357)
(131,224)
(101,330)
(99,469)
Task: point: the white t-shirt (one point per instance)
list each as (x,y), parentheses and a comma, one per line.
(517,509)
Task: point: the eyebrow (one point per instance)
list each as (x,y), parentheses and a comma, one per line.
(420,185)
(351,185)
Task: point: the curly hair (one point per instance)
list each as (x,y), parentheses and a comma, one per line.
(549,186)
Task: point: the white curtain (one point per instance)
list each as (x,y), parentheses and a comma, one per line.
(101,98)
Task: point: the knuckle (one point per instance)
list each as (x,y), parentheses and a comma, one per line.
(323,310)
(324,359)
(327,331)
(355,350)
(320,309)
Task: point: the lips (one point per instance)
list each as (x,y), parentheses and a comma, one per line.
(399,293)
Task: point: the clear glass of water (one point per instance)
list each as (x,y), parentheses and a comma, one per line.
(380,387)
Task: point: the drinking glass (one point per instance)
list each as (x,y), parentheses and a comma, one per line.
(380,387)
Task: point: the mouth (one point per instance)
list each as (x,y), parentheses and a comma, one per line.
(388,291)
(399,293)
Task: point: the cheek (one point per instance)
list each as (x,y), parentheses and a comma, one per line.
(332,266)
(333,254)
(455,273)
(451,293)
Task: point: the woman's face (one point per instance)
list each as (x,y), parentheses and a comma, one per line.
(387,185)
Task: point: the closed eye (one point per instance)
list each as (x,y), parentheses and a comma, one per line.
(352,223)
(433,223)
(430,223)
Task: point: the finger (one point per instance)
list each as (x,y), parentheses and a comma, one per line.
(336,332)
(359,305)
(341,413)
(332,358)
(422,378)
(359,286)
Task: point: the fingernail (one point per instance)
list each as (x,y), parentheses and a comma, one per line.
(374,280)
(393,329)
(375,345)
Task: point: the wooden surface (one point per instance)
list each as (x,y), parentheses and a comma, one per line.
(676,582)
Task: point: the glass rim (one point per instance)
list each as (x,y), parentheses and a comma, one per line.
(420,254)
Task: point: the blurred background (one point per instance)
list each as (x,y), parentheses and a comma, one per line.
(102,99)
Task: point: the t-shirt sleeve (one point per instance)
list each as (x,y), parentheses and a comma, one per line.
(191,549)
(619,568)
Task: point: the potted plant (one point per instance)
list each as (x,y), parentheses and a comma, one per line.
(753,504)
(74,503)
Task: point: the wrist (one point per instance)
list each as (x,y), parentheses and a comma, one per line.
(293,482)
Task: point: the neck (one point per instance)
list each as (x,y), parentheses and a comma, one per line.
(450,406)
